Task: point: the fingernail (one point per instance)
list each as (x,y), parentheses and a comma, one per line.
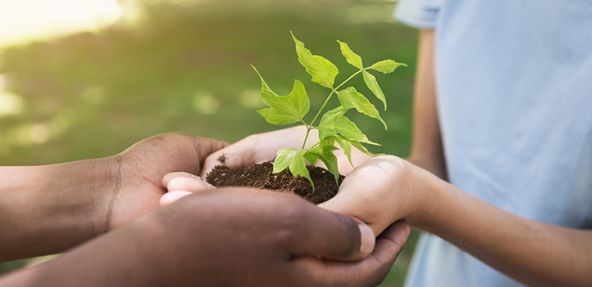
(368,239)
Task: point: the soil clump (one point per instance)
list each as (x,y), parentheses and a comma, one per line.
(261,176)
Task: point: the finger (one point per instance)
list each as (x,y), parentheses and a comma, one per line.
(369,272)
(255,149)
(331,235)
(206,146)
(172,196)
(390,243)
(181,181)
(171,175)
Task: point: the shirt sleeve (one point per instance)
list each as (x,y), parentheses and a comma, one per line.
(417,13)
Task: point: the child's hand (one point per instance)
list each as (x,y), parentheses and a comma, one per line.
(382,191)
(180,184)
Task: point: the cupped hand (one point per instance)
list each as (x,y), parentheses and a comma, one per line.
(141,168)
(231,237)
(383,190)
(263,147)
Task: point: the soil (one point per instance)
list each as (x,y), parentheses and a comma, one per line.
(260,176)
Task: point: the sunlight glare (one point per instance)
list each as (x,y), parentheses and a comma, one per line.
(24,21)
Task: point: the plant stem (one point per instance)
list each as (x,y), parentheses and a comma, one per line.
(322,107)
(329,97)
(305,138)
(333,90)
(348,79)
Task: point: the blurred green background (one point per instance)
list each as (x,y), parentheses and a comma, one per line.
(185,66)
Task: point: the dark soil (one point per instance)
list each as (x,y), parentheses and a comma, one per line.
(260,176)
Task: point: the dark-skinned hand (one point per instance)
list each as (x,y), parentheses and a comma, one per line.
(48,209)
(227,237)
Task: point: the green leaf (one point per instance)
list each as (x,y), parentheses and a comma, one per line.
(284,109)
(350,56)
(321,69)
(346,146)
(311,157)
(328,141)
(336,123)
(294,160)
(359,146)
(326,127)
(374,87)
(386,66)
(298,167)
(325,154)
(283,159)
(350,98)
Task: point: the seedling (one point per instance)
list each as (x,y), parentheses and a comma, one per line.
(334,127)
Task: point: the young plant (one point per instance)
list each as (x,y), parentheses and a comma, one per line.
(334,127)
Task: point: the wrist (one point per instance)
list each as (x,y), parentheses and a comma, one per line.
(429,196)
(417,193)
(431,163)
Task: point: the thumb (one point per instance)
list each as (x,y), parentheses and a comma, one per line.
(332,236)
(204,147)
(369,272)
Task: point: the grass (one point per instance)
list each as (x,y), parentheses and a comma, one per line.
(187,68)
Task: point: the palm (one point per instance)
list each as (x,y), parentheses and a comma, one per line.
(143,166)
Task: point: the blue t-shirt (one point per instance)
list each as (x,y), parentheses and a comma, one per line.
(514,95)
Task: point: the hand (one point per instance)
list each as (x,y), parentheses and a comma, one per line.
(49,209)
(384,190)
(264,147)
(143,166)
(228,237)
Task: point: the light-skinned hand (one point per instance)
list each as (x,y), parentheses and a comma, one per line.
(383,190)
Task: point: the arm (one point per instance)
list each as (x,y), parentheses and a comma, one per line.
(387,189)
(426,151)
(227,237)
(48,209)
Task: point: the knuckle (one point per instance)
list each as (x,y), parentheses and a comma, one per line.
(350,242)
(393,166)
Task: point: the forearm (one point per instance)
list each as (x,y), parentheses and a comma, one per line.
(111,260)
(529,251)
(47,209)
(427,151)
